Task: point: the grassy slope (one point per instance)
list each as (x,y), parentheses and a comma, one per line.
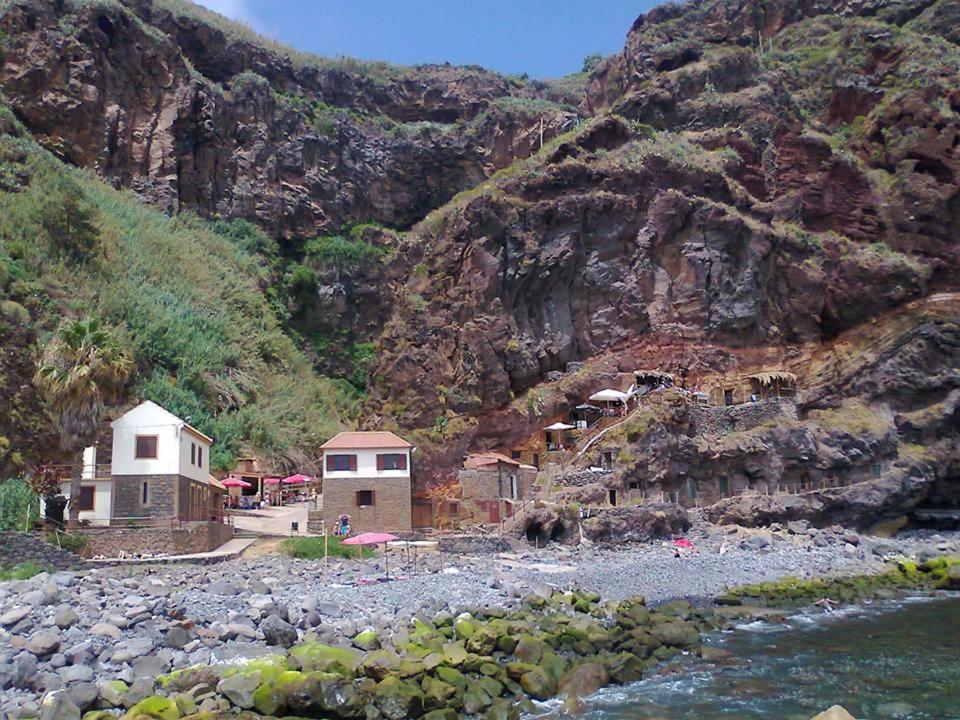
(197,307)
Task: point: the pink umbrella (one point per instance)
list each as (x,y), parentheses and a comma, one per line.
(296,479)
(370,539)
(271,481)
(374,539)
(235,482)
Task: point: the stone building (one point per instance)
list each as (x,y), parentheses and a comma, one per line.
(492,485)
(366,475)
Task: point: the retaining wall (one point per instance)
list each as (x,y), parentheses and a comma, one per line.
(189,538)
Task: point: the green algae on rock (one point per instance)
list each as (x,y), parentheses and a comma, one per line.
(489,664)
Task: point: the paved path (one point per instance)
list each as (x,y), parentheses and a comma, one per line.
(228,551)
(273,520)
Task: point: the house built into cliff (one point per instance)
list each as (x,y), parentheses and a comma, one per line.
(492,486)
(366,475)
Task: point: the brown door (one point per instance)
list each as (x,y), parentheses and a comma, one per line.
(422,515)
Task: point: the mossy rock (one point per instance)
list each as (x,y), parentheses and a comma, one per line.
(183,680)
(319,694)
(380,663)
(398,700)
(529,649)
(432,660)
(491,686)
(367,639)
(437,693)
(454,653)
(442,714)
(420,626)
(156,707)
(317,656)
(454,677)
(677,608)
(483,641)
(516,670)
(583,680)
(506,644)
(623,667)
(464,626)
(411,668)
(185,703)
(476,700)
(538,684)
(728,599)
(555,665)
(502,710)
(269,667)
(677,633)
(272,696)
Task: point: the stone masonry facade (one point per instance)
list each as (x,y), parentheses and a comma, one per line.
(189,538)
(18,547)
(161,496)
(390,512)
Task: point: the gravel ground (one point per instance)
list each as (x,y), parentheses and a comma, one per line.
(73,631)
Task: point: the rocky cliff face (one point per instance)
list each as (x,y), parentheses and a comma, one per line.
(748,184)
(172,102)
(725,202)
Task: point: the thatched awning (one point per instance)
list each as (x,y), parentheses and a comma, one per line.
(656,376)
(766,379)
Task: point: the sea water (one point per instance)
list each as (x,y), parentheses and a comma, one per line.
(883,661)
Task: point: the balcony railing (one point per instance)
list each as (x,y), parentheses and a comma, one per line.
(91,471)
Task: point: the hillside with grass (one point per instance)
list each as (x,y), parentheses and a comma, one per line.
(200,305)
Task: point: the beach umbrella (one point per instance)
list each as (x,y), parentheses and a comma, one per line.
(297,479)
(372,538)
(235,482)
(558,426)
(609,395)
(271,481)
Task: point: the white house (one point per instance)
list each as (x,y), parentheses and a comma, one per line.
(149,440)
(160,466)
(366,475)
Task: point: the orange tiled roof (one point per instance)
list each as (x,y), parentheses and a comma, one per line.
(483,459)
(365,441)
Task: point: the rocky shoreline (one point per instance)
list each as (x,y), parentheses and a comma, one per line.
(98,641)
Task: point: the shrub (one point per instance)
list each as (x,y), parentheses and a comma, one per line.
(74,543)
(311,548)
(23,571)
(19,505)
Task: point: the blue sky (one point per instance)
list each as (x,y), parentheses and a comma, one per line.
(543,38)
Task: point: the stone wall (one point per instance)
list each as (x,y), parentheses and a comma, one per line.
(162,497)
(391,509)
(737,418)
(189,538)
(473,545)
(17,547)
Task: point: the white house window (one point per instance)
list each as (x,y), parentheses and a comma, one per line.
(145,492)
(200,456)
(86,497)
(392,461)
(193,453)
(364,498)
(146,447)
(338,463)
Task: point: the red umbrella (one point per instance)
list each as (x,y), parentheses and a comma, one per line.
(235,482)
(296,479)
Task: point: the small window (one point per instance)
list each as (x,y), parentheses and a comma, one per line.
(515,455)
(86,497)
(145,492)
(193,453)
(146,448)
(392,461)
(200,456)
(364,498)
(340,463)
(728,397)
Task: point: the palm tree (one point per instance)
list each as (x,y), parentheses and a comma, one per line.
(80,367)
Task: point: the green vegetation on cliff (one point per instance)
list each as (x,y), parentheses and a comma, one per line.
(194,301)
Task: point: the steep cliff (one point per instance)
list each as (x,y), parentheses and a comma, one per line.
(748,184)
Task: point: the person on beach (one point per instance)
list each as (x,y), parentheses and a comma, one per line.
(344,525)
(827,604)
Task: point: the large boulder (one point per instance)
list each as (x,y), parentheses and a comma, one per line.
(636,523)
(860,505)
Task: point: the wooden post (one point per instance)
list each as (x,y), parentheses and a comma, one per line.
(326,550)
(541,132)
